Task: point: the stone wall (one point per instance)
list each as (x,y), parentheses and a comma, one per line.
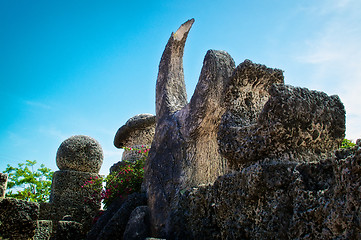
(277,200)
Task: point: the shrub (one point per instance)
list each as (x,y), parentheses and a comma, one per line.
(29,185)
(347,143)
(125,180)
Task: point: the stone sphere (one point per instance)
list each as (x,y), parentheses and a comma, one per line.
(80,153)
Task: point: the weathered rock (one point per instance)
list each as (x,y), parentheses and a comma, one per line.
(138,227)
(3,184)
(80,153)
(251,113)
(18,218)
(137,130)
(44,230)
(104,219)
(69,230)
(115,226)
(69,197)
(276,121)
(277,200)
(184,151)
(136,133)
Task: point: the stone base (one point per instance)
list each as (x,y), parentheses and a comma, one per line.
(44,230)
(68,197)
(18,218)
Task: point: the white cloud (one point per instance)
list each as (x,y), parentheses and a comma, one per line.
(335,55)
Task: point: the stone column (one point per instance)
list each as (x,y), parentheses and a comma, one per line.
(79,159)
(3,183)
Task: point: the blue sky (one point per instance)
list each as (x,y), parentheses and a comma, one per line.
(86,67)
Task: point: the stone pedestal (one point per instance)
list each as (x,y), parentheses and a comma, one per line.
(3,183)
(70,197)
(79,159)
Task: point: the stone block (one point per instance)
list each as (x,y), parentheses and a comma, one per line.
(68,197)
(44,230)
(138,226)
(69,230)
(18,218)
(3,183)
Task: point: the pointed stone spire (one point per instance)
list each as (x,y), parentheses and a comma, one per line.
(171,92)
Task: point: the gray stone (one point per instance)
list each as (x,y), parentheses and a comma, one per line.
(236,119)
(18,218)
(277,200)
(114,229)
(138,224)
(80,153)
(98,226)
(69,230)
(184,151)
(265,118)
(3,184)
(136,131)
(68,197)
(44,230)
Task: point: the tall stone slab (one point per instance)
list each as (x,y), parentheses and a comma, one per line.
(184,152)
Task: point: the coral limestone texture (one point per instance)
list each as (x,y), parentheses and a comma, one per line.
(247,158)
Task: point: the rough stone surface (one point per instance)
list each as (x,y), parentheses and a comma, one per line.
(277,200)
(3,184)
(80,153)
(104,219)
(68,197)
(138,224)
(115,226)
(184,152)
(69,230)
(265,118)
(137,130)
(18,218)
(44,230)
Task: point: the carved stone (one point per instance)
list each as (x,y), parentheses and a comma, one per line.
(80,153)
(184,151)
(266,119)
(237,116)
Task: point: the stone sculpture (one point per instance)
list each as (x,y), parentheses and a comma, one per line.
(266,118)
(184,151)
(236,117)
(79,159)
(136,133)
(3,184)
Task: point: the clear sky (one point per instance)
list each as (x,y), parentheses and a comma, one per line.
(85,67)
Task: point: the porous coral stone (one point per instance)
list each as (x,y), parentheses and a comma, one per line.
(80,153)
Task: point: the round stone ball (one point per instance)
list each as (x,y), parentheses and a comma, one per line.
(80,153)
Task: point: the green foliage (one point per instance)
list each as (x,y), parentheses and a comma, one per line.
(347,143)
(126,180)
(29,185)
